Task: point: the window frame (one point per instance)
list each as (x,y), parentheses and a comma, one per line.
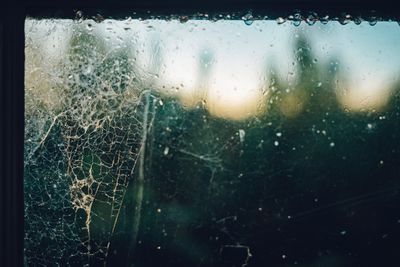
(12,45)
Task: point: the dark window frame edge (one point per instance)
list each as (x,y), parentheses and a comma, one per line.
(12,45)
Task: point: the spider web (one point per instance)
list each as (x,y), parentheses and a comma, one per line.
(83,136)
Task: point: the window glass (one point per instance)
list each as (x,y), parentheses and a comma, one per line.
(152,142)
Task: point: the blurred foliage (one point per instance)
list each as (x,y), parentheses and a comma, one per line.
(306,183)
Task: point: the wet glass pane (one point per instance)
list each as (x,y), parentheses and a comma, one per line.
(211,143)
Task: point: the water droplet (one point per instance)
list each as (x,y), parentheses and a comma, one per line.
(345,19)
(280,20)
(319,84)
(159,210)
(283,256)
(296,23)
(279,134)
(311,19)
(310,22)
(332,144)
(183,19)
(343,232)
(79,15)
(89,27)
(297,17)
(324,19)
(276,143)
(373,21)
(242,134)
(248,19)
(166,150)
(214,19)
(357,20)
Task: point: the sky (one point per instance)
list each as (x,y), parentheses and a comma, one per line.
(225,63)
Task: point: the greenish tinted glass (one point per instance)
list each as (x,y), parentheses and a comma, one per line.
(211,143)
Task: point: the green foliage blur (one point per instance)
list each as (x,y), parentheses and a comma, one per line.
(305,183)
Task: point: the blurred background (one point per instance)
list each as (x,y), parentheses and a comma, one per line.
(211,143)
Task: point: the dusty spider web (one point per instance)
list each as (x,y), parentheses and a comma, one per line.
(87,118)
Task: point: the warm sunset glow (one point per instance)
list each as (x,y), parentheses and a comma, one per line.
(365,94)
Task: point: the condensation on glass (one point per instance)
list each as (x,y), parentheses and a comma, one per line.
(211,143)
